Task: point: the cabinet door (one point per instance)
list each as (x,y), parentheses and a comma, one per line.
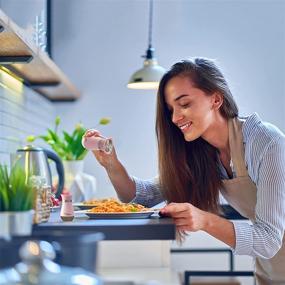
(30,15)
(24,12)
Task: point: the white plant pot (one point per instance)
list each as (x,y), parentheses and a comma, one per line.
(16,223)
(71,169)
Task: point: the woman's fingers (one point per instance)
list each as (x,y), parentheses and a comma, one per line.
(181,222)
(185,216)
(91,132)
(184,225)
(174,209)
(181,215)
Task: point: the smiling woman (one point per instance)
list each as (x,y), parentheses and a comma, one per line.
(204,149)
(194,102)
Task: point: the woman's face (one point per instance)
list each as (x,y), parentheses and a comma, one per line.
(193,111)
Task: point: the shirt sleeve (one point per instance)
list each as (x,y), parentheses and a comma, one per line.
(263,238)
(147,192)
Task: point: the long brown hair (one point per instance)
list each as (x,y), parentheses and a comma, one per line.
(188,171)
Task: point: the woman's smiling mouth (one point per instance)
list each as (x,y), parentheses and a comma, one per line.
(185,127)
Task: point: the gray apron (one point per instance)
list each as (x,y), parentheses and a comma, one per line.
(240,192)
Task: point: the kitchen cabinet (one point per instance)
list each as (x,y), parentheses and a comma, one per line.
(22,58)
(33,16)
(25,12)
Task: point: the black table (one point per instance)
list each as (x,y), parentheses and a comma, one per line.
(79,238)
(154,228)
(74,241)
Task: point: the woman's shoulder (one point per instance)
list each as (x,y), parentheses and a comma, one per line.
(263,142)
(255,129)
(258,135)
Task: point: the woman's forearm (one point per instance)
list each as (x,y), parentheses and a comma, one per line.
(221,229)
(122,182)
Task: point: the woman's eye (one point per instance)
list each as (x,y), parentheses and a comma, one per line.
(185,105)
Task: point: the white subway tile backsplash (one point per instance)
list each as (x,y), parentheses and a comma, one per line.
(21,115)
(4,158)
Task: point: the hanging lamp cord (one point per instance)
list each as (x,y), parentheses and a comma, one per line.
(150,49)
(150,23)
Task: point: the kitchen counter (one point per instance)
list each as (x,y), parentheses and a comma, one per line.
(72,235)
(80,237)
(154,228)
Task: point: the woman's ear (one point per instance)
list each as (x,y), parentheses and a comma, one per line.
(217,101)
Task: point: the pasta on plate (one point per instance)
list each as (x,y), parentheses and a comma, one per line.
(112,205)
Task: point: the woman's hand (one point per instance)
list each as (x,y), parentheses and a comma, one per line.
(122,182)
(106,160)
(91,133)
(189,218)
(186,216)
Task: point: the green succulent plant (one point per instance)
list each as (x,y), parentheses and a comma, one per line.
(68,146)
(16,191)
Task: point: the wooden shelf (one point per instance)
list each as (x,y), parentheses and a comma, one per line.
(21,56)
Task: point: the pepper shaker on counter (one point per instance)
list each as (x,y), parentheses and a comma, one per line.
(66,212)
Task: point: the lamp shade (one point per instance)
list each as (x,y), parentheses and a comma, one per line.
(147,77)
(150,75)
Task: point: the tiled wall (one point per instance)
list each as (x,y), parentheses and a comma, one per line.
(23,112)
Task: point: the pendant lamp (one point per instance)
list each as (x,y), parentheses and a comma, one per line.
(149,76)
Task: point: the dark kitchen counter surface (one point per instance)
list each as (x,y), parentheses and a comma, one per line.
(71,237)
(154,228)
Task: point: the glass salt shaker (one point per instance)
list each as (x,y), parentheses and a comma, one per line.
(66,212)
(97,143)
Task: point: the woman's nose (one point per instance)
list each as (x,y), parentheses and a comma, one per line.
(176,117)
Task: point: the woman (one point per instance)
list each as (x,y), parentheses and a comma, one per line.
(205,148)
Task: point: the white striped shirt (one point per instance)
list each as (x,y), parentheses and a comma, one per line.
(265,161)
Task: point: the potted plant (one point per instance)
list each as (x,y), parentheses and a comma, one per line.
(17,197)
(68,146)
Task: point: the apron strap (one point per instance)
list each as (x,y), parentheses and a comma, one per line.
(237,147)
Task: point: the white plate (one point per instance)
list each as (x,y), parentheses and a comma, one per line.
(82,206)
(128,215)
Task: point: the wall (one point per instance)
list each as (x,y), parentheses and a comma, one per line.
(23,112)
(99,44)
